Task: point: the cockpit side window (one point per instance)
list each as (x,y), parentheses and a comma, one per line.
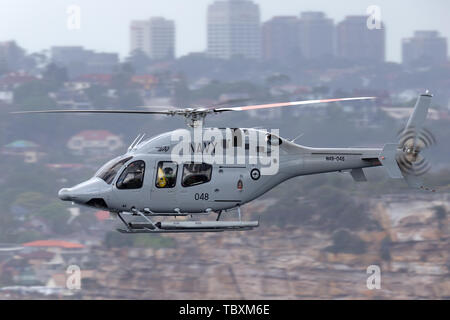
(195,174)
(110,171)
(133,176)
(166,174)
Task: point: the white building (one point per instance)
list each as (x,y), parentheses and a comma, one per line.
(155,37)
(7,97)
(234,29)
(94,142)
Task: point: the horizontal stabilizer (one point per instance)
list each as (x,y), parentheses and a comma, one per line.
(388,158)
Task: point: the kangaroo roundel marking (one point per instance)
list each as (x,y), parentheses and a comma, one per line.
(255,174)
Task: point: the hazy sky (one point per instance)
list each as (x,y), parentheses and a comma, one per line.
(39,24)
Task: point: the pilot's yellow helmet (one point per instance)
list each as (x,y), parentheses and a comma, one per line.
(162,181)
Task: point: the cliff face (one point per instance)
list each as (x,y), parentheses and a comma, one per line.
(411,248)
(410,245)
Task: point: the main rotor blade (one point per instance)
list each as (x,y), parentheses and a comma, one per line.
(289,104)
(97,111)
(228,102)
(175,111)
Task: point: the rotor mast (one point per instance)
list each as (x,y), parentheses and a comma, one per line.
(195,118)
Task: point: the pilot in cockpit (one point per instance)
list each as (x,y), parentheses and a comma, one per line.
(169,175)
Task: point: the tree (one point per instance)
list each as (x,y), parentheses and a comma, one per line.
(56,216)
(14,56)
(97,95)
(182,95)
(122,77)
(41,59)
(130,99)
(55,76)
(30,200)
(139,60)
(33,95)
(278,79)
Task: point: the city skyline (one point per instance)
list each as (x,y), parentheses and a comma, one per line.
(20,21)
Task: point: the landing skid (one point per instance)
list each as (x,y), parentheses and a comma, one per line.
(179,231)
(148,226)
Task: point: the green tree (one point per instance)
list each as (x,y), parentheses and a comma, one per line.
(122,77)
(55,76)
(97,95)
(56,216)
(182,94)
(34,95)
(30,200)
(139,60)
(130,99)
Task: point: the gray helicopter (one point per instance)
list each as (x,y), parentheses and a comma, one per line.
(198,171)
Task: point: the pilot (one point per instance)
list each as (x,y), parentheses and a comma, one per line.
(170,177)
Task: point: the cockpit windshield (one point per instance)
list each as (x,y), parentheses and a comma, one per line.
(109,170)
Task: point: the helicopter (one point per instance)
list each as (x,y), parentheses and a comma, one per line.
(198,171)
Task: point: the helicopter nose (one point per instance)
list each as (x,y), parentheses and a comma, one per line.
(64,194)
(85,191)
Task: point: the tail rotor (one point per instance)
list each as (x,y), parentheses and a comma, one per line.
(412,140)
(411,143)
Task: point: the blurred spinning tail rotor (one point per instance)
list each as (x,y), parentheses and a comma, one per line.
(411,143)
(412,140)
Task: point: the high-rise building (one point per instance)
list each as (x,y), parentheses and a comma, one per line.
(280,38)
(425,48)
(155,37)
(234,29)
(356,42)
(316,35)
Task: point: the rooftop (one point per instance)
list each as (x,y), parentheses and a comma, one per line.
(54,243)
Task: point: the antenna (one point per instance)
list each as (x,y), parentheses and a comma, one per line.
(300,135)
(136,141)
(139,141)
